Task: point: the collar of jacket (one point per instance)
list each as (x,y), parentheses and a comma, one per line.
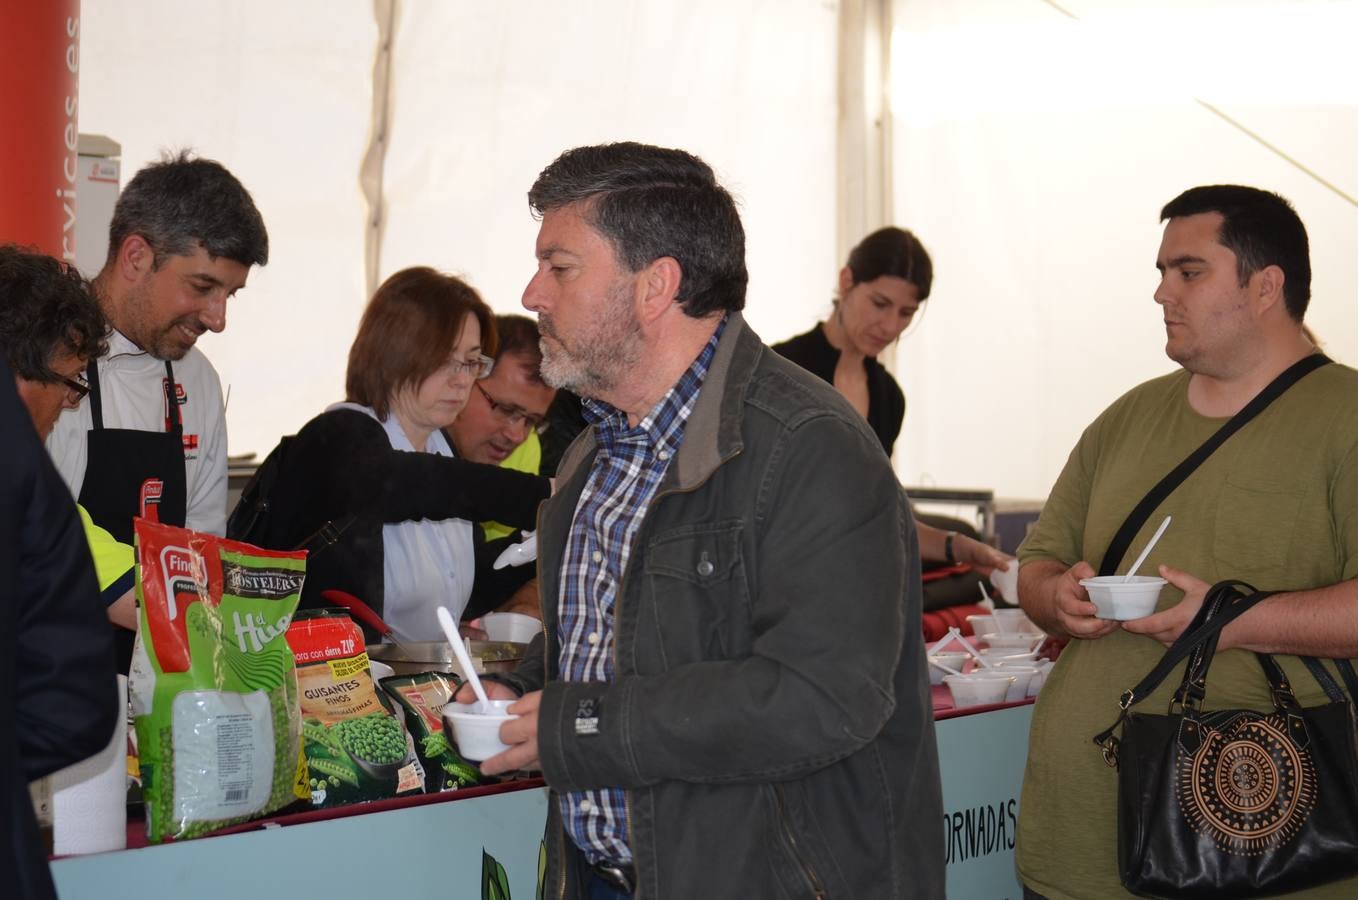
(713,432)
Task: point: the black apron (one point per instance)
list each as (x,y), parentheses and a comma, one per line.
(119,463)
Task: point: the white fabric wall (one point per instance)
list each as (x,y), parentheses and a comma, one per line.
(484,96)
(279,93)
(1033,154)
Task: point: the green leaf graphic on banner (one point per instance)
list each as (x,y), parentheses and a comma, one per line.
(542,868)
(494,881)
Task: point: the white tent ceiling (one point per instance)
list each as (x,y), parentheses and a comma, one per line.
(1029,144)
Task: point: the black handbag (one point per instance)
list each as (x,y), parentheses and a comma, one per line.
(1234,802)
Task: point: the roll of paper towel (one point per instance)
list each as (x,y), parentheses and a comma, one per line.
(89,799)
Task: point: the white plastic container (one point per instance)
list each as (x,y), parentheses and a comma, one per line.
(477,733)
(1020,642)
(1024,676)
(1006,582)
(981,625)
(1011,621)
(510,626)
(978,689)
(1117,598)
(948,658)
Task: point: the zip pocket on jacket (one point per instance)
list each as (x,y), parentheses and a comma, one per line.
(812,881)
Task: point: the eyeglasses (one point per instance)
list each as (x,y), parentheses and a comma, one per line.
(78,386)
(515,415)
(476,368)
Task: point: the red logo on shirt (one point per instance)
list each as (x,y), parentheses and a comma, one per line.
(180,396)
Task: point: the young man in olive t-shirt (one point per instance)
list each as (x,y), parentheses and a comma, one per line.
(1276,506)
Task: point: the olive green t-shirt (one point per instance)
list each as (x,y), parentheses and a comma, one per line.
(1276,506)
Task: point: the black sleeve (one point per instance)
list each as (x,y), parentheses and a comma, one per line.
(64,690)
(348,455)
(567,420)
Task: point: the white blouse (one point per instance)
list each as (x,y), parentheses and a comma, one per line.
(426,563)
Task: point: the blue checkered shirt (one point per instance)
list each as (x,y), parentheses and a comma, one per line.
(627,470)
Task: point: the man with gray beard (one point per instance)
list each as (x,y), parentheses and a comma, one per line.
(732,700)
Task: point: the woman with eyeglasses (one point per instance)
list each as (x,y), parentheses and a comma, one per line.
(375,476)
(882,288)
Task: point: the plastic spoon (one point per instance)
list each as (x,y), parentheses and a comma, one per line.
(1147,552)
(966,645)
(944,641)
(949,669)
(463,658)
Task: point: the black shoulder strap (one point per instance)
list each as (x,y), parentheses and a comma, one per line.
(249,521)
(175,422)
(96,395)
(1117,547)
(1225,602)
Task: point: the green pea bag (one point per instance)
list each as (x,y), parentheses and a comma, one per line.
(423,696)
(356,750)
(213,686)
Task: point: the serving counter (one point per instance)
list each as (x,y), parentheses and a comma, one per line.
(448,845)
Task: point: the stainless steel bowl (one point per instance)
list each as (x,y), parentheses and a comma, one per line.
(411,657)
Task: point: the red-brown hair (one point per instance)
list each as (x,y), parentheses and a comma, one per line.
(408,331)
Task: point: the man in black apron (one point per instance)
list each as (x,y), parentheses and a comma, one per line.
(184,236)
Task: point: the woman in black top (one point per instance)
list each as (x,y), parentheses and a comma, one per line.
(881,288)
(378,470)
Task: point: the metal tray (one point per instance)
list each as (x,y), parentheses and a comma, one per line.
(410,657)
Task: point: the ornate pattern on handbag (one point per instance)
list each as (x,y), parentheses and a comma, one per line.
(1234,802)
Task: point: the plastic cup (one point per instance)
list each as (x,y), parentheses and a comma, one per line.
(1009,621)
(949,659)
(981,625)
(510,626)
(1017,642)
(978,689)
(476,731)
(1023,679)
(1115,597)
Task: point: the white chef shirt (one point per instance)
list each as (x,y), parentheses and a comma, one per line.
(131,384)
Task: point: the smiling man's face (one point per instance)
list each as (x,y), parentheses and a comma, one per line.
(171,306)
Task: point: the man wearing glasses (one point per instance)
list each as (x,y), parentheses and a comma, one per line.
(506,411)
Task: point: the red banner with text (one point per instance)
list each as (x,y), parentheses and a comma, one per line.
(40,67)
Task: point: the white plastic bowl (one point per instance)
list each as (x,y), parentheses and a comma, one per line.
(1006,582)
(510,626)
(1117,598)
(981,625)
(1024,676)
(977,689)
(1021,642)
(1010,621)
(995,655)
(477,733)
(953,660)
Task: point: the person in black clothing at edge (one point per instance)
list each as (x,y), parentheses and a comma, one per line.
(380,473)
(50,328)
(60,699)
(184,236)
(884,284)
